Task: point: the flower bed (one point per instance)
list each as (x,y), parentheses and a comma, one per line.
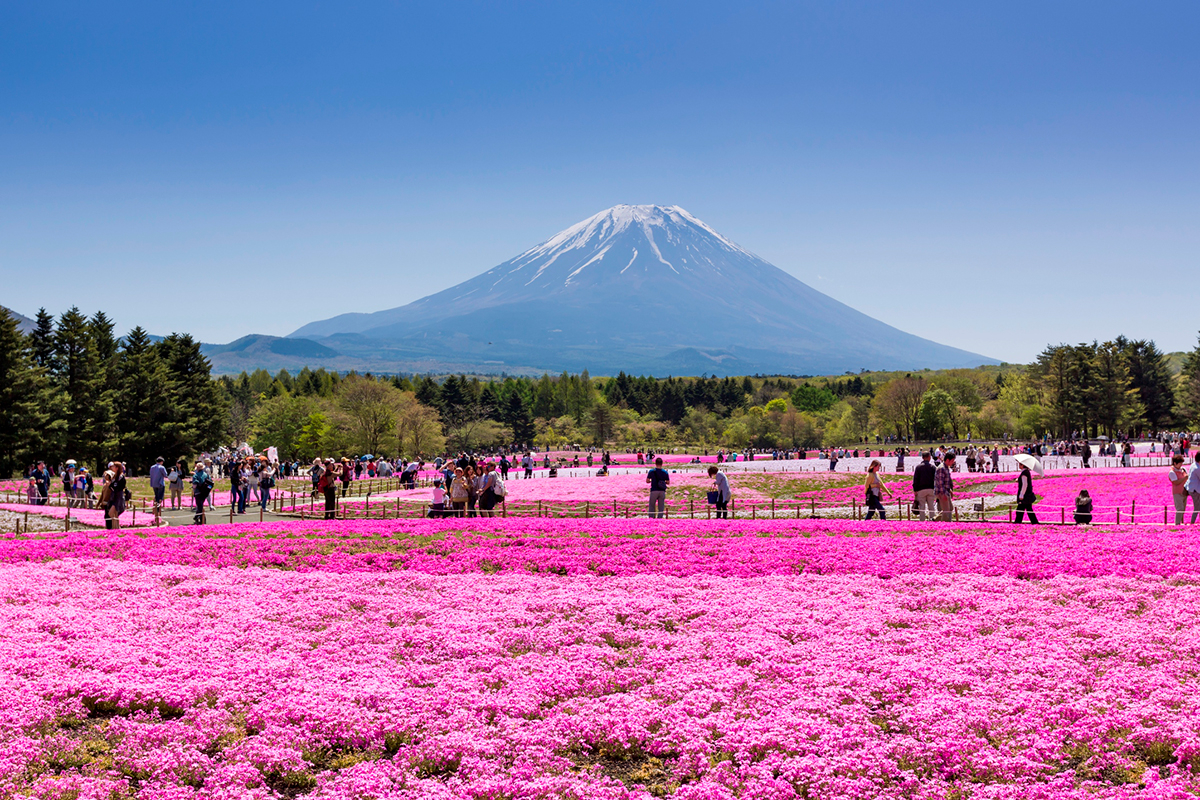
(173,681)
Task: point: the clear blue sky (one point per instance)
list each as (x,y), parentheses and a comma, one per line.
(992,176)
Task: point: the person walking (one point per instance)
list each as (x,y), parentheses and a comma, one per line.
(924,497)
(724,492)
(202,484)
(1179,494)
(659,479)
(943,487)
(158,481)
(1025,496)
(527,465)
(875,490)
(1193,487)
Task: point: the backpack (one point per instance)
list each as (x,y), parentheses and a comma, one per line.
(498,487)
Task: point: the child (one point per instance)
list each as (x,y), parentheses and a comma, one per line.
(438,507)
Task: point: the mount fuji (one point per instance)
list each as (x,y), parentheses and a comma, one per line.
(648,289)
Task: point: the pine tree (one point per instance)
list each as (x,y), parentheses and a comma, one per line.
(81,379)
(41,341)
(1189,388)
(518,417)
(18,398)
(143,421)
(197,410)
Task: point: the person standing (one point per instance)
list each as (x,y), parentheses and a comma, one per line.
(527,465)
(1193,487)
(459,493)
(504,466)
(924,497)
(875,490)
(487,491)
(1179,493)
(347,475)
(943,487)
(1025,496)
(158,482)
(724,492)
(41,479)
(659,479)
(202,484)
(175,481)
(327,485)
(266,482)
(112,497)
(900,454)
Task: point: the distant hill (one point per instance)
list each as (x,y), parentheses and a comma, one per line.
(644,289)
(24,323)
(258,351)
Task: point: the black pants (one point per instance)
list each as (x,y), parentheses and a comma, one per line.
(1026,506)
(331,503)
(199,517)
(722,509)
(875,504)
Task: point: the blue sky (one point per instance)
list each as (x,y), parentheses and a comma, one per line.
(992,176)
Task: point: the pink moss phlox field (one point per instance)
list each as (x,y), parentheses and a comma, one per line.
(168,681)
(741,549)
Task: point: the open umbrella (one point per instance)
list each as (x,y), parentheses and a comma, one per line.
(1026,460)
(71,462)
(367,457)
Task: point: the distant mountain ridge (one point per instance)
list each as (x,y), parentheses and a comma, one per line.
(24,323)
(647,289)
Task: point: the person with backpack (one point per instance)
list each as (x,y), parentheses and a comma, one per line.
(659,479)
(202,485)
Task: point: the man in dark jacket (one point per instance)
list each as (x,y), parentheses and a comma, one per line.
(923,476)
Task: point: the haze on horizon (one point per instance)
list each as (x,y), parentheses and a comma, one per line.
(995,178)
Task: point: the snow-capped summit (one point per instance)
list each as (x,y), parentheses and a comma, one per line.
(630,286)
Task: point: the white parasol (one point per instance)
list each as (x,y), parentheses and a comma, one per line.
(1026,460)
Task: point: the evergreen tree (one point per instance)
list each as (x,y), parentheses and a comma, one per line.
(517,416)
(83,382)
(18,395)
(143,420)
(197,410)
(1189,388)
(428,392)
(41,340)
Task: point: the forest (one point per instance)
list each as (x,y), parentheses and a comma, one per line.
(72,388)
